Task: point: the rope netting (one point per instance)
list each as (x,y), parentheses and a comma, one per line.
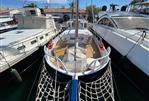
(98,90)
(51,90)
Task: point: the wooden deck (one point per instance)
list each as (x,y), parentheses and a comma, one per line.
(91,49)
(60,48)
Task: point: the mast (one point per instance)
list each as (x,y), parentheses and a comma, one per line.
(76,33)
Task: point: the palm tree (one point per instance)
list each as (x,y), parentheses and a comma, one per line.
(90,12)
(133,2)
(72,8)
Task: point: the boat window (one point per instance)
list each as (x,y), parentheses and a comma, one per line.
(47,34)
(132,22)
(72,38)
(3,24)
(10,22)
(85,25)
(41,37)
(110,24)
(21,47)
(106,21)
(81,38)
(1,38)
(101,21)
(33,12)
(73,25)
(33,42)
(69,25)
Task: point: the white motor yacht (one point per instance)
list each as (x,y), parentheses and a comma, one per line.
(34,31)
(128,33)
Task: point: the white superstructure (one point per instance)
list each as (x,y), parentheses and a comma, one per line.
(35,30)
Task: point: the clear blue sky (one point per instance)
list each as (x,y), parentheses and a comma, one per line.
(41,3)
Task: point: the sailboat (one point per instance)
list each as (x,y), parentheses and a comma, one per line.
(76,67)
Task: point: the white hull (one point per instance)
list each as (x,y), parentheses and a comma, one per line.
(15,60)
(12,55)
(139,55)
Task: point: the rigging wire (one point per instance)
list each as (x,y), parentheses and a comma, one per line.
(40,68)
(55,76)
(5,60)
(28,66)
(128,78)
(143,35)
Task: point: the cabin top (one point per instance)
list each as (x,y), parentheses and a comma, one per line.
(34,18)
(31,11)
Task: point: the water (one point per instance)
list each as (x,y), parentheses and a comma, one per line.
(14,91)
(125,90)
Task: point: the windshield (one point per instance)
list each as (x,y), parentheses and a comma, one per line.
(132,22)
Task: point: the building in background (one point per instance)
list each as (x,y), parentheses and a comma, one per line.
(63,12)
(8,12)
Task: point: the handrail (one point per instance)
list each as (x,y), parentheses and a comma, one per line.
(65,68)
(109,51)
(62,64)
(105,56)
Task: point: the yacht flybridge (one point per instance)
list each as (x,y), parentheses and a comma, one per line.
(128,33)
(34,30)
(76,67)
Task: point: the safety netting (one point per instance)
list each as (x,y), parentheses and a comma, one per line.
(49,89)
(99,90)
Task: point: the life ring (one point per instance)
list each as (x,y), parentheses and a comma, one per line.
(50,45)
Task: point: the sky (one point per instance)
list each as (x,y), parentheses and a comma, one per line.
(61,3)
